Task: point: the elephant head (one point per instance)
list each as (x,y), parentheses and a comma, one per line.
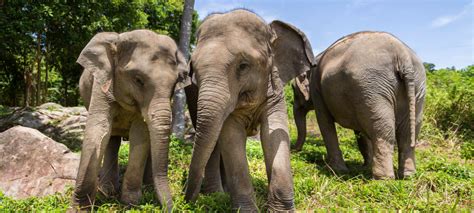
(136,72)
(239,62)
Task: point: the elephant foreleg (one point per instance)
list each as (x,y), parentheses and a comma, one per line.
(109,173)
(96,138)
(276,149)
(138,154)
(300,120)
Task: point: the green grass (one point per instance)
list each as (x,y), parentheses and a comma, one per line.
(444,181)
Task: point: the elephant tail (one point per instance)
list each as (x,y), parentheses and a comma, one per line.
(408,76)
(410,86)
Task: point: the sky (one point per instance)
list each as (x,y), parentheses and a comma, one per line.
(439,31)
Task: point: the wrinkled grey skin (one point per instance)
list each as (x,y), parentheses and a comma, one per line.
(373,83)
(126,85)
(239,67)
(302,104)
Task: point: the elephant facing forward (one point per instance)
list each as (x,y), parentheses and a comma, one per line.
(126,85)
(373,83)
(239,66)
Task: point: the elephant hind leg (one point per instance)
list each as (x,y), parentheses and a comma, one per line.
(212,178)
(328,131)
(232,146)
(406,153)
(109,172)
(382,134)
(365,147)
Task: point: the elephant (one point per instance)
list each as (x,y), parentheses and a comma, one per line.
(127,83)
(302,104)
(373,83)
(238,69)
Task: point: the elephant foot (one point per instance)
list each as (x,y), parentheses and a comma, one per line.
(245,208)
(131,197)
(402,174)
(281,206)
(382,175)
(241,203)
(338,167)
(82,203)
(211,189)
(108,189)
(297,148)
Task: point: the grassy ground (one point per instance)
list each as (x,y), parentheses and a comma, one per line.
(444,181)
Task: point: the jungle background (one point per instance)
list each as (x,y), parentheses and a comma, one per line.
(41,42)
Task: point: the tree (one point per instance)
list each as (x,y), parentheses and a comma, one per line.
(429,67)
(179,98)
(42,39)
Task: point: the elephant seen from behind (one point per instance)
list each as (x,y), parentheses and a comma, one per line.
(373,83)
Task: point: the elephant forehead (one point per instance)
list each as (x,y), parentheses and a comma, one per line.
(146,39)
(240,23)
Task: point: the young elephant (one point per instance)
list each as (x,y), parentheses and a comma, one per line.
(302,104)
(126,85)
(239,66)
(373,83)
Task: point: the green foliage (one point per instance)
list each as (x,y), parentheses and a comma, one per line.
(5,110)
(289,98)
(449,109)
(47,37)
(429,67)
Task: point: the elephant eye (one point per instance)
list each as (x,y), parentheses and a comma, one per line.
(243,66)
(139,81)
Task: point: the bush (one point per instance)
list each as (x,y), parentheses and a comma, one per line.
(449,109)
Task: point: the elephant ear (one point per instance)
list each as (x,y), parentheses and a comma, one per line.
(99,58)
(292,52)
(302,81)
(183,72)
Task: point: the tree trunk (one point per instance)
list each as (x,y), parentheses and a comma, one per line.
(38,70)
(27,78)
(179,99)
(45,86)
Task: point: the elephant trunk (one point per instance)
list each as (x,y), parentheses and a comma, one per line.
(159,121)
(214,105)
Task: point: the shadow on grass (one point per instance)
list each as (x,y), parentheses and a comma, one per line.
(314,152)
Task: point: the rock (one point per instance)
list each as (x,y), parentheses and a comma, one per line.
(63,124)
(50,106)
(32,164)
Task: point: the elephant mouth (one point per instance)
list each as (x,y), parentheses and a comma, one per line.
(129,105)
(247,101)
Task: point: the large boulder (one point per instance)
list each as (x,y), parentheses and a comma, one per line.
(63,124)
(32,164)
